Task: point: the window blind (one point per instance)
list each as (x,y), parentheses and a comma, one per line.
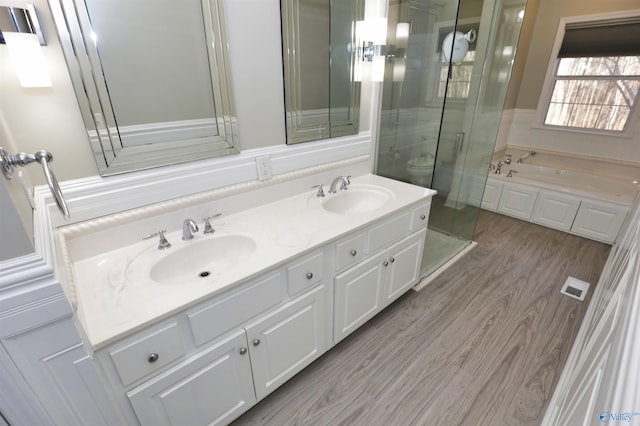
(601,39)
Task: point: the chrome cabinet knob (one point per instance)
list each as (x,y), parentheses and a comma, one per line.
(423,217)
(393,259)
(243,351)
(153,357)
(353,252)
(385,263)
(309,275)
(256,342)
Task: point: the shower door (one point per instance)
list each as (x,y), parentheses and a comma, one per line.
(440,120)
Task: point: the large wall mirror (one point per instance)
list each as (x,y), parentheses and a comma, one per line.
(322,96)
(152,79)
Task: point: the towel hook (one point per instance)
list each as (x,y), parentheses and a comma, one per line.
(7,163)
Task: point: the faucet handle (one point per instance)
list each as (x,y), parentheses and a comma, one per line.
(208,229)
(320,190)
(163,244)
(347,181)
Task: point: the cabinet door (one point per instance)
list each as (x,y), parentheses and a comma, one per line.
(212,387)
(288,340)
(403,266)
(599,221)
(358,295)
(517,200)
(491,197)
(555,210)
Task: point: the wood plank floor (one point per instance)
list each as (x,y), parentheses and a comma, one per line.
(483,344)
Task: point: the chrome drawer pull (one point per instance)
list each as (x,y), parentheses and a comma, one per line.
(309,275)
(153,357)
(353,252)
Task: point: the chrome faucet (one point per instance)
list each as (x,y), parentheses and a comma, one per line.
(499,167)
(530,153)
(344,182)
(188,228)
(511,172)
(508,160)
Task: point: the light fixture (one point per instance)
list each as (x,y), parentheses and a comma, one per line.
(22,34)
(403,30)
(372,36)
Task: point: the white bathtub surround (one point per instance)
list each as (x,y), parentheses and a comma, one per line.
(590,206)
(108,296)
(616,169)
(572,182)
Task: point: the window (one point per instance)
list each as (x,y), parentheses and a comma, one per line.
(596,78)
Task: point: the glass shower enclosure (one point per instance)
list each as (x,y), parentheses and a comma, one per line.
(447,73)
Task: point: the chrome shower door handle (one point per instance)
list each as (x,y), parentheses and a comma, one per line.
(459,142)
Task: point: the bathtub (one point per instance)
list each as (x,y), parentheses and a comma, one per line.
(572,182)
(580,203)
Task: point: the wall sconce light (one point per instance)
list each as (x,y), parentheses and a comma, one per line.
(372,34)
(403,31)
(22,34)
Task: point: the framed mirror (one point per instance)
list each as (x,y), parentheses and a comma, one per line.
(152,79)
(322,96)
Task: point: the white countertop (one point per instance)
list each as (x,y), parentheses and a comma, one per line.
(116,299)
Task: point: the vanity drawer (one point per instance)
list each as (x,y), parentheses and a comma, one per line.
(215,318)
(147,352)
(389,231)
(350,250)
(420,217)
(305,272)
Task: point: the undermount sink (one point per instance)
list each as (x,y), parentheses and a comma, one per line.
(197,260)
(357,199)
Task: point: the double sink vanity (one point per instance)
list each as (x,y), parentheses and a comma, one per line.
(198,332)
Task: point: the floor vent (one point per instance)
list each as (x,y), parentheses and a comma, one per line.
(575,288)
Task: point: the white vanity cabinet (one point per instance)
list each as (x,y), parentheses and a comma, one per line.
(212,387)
(219,383)
(212,362)
(385,274)
(288,340)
